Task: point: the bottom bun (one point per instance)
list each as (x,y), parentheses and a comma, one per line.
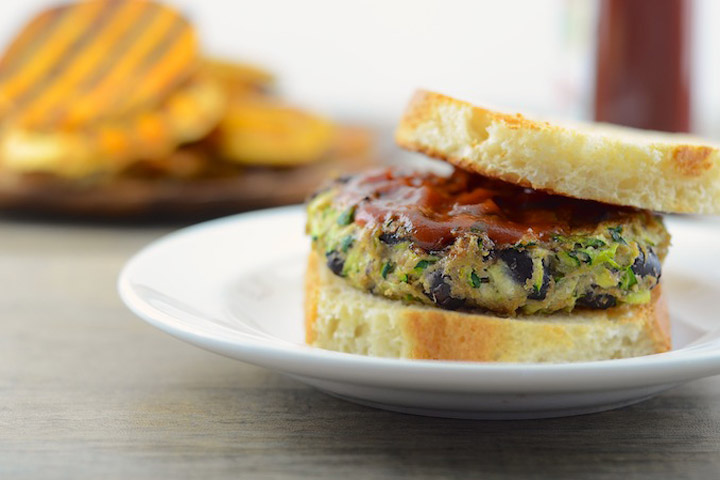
(342,318)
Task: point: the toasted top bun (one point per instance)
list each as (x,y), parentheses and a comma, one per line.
(619,165)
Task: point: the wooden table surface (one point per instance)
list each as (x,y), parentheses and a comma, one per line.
(90,391)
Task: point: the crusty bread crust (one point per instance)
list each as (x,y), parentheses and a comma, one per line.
(619,165)
(339,317)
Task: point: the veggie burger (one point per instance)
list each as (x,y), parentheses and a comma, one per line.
(541,245)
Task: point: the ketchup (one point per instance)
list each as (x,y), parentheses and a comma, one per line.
(434,210)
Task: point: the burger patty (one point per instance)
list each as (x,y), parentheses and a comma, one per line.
(468,242)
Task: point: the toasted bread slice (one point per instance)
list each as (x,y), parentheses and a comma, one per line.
(341,318)
(624,166)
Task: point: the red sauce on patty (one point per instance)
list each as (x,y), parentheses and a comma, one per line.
(436,209)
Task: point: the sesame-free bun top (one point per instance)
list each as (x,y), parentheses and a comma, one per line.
(658,171)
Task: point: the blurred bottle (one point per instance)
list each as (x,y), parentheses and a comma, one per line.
(643,64)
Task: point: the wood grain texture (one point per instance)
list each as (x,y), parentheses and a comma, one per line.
(89,391)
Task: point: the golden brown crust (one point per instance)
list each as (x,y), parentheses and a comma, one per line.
(619,165)
(435,334)
(444,335)
(312,285)
(692,160)
(659,325)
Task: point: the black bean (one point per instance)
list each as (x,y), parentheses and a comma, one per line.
(335,262)
(390,238)
(647,265)
(519,262)
(440,292)
(600,301)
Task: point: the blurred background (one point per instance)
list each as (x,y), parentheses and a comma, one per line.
(363,59)
(652,64)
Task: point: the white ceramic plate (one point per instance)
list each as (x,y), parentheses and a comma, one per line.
(234,286)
